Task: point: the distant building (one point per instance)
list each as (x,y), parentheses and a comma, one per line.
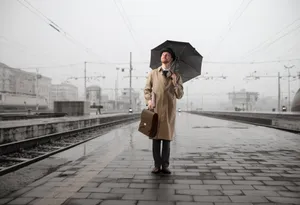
(243,100)
(63,92)
(93,95)
(135,98)
(23,90)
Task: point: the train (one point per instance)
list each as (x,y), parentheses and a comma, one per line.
(12,102)
(296,102)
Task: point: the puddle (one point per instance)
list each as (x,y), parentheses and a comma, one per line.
(212,127)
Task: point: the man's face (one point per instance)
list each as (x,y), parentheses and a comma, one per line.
(166,57)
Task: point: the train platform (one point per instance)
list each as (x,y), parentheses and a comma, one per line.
(39,121)
(213,162)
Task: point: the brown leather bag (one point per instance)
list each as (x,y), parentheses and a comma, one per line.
(148,123)
(149,120)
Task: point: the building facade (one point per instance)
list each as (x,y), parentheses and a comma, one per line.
(135,98)
(243,100)
(19,88)
(93,95)
(63,92)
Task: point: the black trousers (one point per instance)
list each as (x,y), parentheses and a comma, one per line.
(161,159)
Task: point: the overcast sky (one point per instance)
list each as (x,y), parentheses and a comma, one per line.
(230,35)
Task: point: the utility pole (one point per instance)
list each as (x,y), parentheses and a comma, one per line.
(279,98)
(256,77)
(116,89)
(187,98)
(37,89)
(289,86)
(85,81)
(130,76)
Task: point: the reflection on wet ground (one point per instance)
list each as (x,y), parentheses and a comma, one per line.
(212,161)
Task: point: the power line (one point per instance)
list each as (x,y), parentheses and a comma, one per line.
(231,25)
(127,23)
(266,44)
(145,62)
(53,25)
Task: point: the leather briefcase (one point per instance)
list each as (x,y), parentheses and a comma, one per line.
(148,123)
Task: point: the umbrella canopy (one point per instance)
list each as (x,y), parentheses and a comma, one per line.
(188,61)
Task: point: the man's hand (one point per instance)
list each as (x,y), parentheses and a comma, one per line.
(150,106)
(174,79)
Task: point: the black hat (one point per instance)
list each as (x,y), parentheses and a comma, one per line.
(169,50)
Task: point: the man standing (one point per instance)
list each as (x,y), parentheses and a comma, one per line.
(167,87)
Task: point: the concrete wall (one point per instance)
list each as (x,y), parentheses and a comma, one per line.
(72,108)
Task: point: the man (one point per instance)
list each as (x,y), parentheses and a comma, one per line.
(167,87)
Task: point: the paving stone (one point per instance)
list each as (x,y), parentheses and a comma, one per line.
(80,195)
(260,193)
(175,198)
(159,181)
(229,178)
(284,200)
(158,192)
(155,203)
(174,186)
(118,202)
(258,178)
(5,200)
(278,183)
(270,188)
(105,196)
(194,203)
(145,186)
(53,201)
(206,187)
(212,199)
(237,187)
(233,204)
(126,191)
(182,181)
(20,192)
(21,201)
(250,199)
(97,189)
(293,188)
(113,185)
(145,197)
(131,181)
(217,182)
(232,192)
(215,193)
(240,174)
(289,194)
(91,184)
(247,182)
(192,192)
(82,201)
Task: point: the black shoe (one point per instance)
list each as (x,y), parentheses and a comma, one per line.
(155,170)
(166,170)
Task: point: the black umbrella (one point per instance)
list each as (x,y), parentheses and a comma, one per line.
(188,61)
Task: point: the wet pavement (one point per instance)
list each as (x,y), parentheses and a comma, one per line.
(212,162)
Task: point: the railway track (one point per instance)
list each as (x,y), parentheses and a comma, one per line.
(16,155)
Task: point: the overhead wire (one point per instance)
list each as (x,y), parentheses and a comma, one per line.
(145,62)
(230,25)
(127,23)
(59,29)
(265,44)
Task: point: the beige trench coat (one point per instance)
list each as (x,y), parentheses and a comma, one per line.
(165,94)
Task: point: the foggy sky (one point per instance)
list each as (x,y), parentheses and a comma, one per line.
(223,32)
